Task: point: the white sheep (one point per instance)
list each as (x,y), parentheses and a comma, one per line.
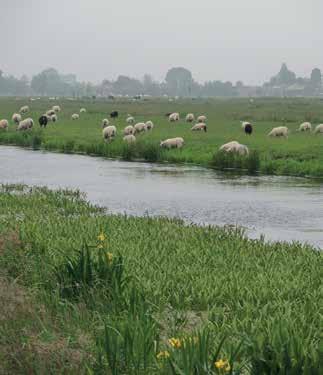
(50,112)
(128,130)
(280,131)
(109,132)
(4,124)
(235,147)
(105,122)
(177,142)
(75,116)
(16,118)
(82,110)
(149,125)
(53,117)
(201,118)
(189,117)
(140,127)
(199,127)
(318,129)
(24,109)
(305,126)
(174,117)
(130,138)
(56,108)
(130,120)
(26,124)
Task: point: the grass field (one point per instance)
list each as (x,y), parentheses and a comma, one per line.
(86,292)
(301,154)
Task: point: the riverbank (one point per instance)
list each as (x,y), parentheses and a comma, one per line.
(106,292)
(300,155)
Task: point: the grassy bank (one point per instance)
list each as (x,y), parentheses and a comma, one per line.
(300,155)
(86,292)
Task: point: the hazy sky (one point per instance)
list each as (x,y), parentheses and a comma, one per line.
(215,39)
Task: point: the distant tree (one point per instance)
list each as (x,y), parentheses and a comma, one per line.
(316,78)
(127,86)
(239,84)
(179,81)
(285,76)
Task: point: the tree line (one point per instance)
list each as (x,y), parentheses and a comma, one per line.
(178,82)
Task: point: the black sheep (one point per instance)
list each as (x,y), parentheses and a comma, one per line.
(43,121)
(114,114)
(248,129)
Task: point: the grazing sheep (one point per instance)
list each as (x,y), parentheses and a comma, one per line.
(109,132)
(105,122)
(189,117)
(130,120)
(173,117)
(139,128)
(4,124)
(318,129)
(305,126)
(130,138)
(247,127)
(24,109)
(50,112)
(75,116)
(16,118)
(56,108)
(114,114)
(280,131)
(82,110)
(200,126)
(177,142)
(43,120)
(128,130)
(54,118)
(149,125)
(26,124)
(244,124)
(235,147)
(201,118)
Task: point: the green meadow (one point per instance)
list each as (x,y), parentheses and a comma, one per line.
(83,292)
(300,155)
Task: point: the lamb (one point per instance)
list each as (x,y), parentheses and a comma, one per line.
(173,117)
(189,117)
(149,125)
(280,131)
(130,138)
(130,120)
(140,127)
(16,118)
(318,129)
(128,130)
(4,124)
(200,126)
(56,108)
(109,132)
(114,114)
(236,147)
(305,126)
(82,110)
(201,118)
(26,124)
(24,109)
(75,116)
(105,122)
(177,142)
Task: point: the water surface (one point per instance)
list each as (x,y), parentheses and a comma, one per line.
(281,208)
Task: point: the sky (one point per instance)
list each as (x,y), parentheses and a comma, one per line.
(226,40)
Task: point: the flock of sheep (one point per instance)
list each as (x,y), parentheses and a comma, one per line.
(132,129)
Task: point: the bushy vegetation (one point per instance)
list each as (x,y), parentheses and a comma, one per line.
(301,154)
(86,292)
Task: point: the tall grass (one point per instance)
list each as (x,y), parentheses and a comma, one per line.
(145,296)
